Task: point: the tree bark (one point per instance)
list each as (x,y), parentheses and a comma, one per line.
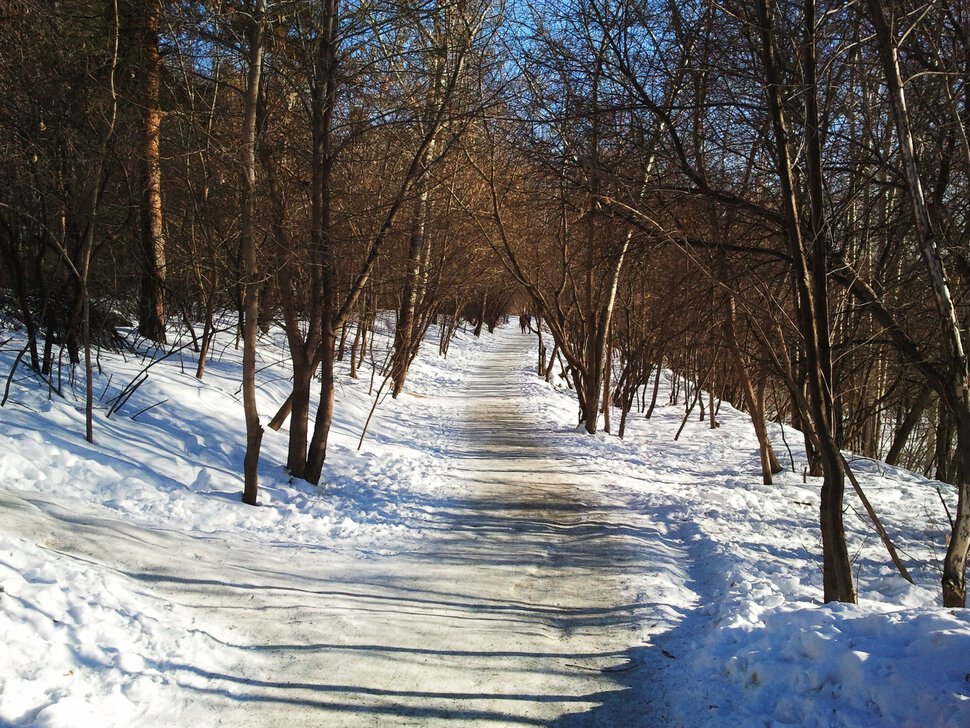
(417,260)
(656,390)
(404,331)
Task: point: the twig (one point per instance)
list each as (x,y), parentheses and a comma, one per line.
(21,404)
(697,396)
(137,381)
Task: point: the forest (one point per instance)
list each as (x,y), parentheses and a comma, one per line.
(768,198)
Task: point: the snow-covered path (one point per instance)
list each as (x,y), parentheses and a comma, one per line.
(522,602)
(477,562)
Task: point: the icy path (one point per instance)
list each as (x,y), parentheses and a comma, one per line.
(522,604)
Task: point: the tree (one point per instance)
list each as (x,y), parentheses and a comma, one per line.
(810,278)
(146,62)
(255,11)
(955,383)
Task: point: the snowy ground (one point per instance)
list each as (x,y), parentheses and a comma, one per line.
(479,562)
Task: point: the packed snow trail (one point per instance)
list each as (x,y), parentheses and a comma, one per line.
(478,562)
(521,604)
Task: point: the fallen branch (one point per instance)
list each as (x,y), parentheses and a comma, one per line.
(876,522)
(149,407)
(945,508)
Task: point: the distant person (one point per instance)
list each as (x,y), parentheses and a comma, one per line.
(524,323)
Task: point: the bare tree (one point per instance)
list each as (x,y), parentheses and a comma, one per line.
(955,387)
(254,33)
(144,29)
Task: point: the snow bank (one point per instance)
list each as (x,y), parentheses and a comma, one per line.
(760,647)
(178,463)
(82,643)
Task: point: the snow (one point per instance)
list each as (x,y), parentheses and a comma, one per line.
(479,561)
(758,647)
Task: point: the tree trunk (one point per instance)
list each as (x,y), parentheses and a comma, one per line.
(773,463)
(303,370)
(541,364)
(355,346)
(404,331)
(307,353)
(944,444)
(418,248)
(656,390)
(254,432)
(317,454)
(342,346)
(151,303)
(481,318)
(607,386)
(208,328)
(907,426)
(755,404)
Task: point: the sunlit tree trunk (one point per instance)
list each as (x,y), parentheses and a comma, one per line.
(151,302)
